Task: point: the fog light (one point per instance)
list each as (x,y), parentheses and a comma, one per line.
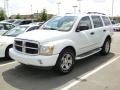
(40,61)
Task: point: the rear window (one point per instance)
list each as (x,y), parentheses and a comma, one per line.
(106,20)
(97,21)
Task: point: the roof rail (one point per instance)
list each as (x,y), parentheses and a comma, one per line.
(95,13)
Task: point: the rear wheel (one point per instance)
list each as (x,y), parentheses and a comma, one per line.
(65,61)
(106,47)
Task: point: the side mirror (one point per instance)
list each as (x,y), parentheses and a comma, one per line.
(81,28)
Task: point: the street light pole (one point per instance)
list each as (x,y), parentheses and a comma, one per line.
(7,5)
(31,8)
(79,1)
(4,6)
(74,7)
(31,11)
(58,7)
(112,8)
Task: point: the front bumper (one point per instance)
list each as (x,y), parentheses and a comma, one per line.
(42,61)
(2,50)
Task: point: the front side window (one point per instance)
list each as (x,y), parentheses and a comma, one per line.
(62,23)
(85,21)
(97,21)
(106,20)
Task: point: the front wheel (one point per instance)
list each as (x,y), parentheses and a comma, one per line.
(65,61)
(7,56)
(106,47)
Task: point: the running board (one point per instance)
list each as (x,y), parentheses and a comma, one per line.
(84,55)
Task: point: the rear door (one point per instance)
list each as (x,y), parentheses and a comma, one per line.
(99,29)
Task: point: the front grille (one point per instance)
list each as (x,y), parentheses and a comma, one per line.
(31,51)
(26,46)
(18,48)
(29,44)
(18,43)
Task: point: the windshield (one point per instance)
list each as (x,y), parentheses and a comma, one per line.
(63,23)
(16,31)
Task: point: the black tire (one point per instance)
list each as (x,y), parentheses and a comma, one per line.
(7,56)
(71,60)
(106,47)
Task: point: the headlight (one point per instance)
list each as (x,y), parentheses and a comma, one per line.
(46,50)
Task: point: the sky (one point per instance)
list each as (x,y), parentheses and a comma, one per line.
(24,6)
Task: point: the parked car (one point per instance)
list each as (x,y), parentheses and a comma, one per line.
(22,22)
(7,39)
(116,25)
(4,26)
(62,40)
(9,20)
(37,23)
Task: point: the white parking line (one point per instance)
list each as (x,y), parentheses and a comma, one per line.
(89,74)
(8,64)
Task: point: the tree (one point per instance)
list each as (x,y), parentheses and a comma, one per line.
(43,15)
(18,16)
(2,14)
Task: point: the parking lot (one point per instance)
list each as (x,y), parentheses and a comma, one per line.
(93,73)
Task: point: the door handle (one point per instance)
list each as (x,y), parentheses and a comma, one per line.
(104,30)
(92,33)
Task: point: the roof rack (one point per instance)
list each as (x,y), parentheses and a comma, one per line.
(95,13)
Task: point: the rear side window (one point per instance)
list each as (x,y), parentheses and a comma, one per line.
(97,21)
(106,20)
(85,21)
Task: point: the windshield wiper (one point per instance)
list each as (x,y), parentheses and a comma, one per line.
(49,28)
(8,35)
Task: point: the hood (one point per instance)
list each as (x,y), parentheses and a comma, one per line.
(6,39)
(42,35)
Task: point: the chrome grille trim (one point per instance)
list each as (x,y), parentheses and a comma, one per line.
(30,50)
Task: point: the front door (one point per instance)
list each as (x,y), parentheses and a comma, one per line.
(86,38)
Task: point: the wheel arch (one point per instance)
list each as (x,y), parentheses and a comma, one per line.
(9,46)
(70,47)
(109,37)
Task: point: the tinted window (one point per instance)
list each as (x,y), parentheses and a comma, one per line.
(106,20)
(25,22)
(97,21)
(1,27)
(85,21)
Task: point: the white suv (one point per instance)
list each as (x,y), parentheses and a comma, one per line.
(62,40)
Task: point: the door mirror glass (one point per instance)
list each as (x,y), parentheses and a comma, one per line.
(81,28)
